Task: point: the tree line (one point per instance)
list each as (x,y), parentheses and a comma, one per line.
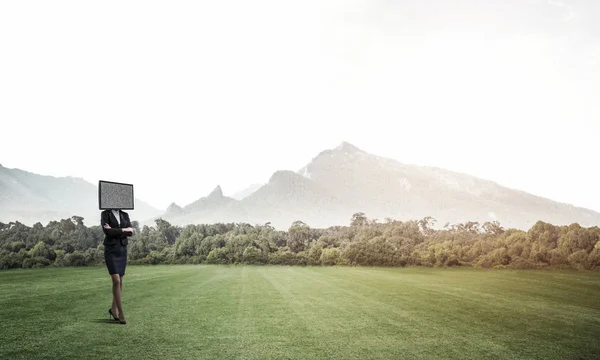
(364,242)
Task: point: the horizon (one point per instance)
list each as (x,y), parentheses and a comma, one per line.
(230,193)
(227,94)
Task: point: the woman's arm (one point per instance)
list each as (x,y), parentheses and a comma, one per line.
(108,231)
(129,229)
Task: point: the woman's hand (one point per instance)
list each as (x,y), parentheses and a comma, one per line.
(128,229)
(106,226)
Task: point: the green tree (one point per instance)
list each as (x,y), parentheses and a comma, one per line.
(359,219)
(299,236)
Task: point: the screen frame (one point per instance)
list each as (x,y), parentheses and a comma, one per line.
(116,183)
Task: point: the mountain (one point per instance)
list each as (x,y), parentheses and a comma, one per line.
(30,198)
(344,180)
(246,192)
(327,191)
(212,208)
(287,197)
(383,187)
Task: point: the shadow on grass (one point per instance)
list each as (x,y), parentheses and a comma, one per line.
(105,321)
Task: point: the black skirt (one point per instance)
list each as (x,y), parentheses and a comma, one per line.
(115,257)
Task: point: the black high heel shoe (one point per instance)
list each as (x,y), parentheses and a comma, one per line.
(123,322)
(113,315)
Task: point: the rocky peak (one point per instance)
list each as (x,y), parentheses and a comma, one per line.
(344,152)
(283,176)
(174,208)
(346,147)
(217,193)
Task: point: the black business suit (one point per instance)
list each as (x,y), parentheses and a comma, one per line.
(115,241)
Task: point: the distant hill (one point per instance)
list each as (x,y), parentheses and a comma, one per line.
(213,208)
(30,198)
(337,183)
(342,181)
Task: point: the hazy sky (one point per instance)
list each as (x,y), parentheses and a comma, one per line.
(179,96)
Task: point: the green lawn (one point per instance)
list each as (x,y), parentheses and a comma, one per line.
(220,312)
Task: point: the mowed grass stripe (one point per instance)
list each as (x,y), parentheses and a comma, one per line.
(272,327)
(453,301)
(509,293)
(397,326)
(231,312)
(76,320)
(344,322)
(316,333)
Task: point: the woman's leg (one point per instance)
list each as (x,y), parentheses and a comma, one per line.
(121,292)
(114,305)
(107,261)
(116,280)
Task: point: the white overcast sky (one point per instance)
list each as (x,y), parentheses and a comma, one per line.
(177,97)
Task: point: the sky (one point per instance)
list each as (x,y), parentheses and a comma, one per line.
(177,97)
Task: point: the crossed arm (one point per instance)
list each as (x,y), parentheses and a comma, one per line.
(113,232)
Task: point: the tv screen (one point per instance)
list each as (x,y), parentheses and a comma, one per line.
(114,195)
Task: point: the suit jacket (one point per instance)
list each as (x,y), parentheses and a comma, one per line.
(115,233)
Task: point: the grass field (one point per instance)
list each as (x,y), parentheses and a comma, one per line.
(221,312)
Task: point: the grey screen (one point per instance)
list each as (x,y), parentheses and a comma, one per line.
(113,195)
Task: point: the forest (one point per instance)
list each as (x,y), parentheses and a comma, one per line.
(363,242)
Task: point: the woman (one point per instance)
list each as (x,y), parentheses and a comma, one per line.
(117,227)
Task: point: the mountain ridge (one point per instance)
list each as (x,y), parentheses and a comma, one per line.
(29,198)
(346,179)
(335,184)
